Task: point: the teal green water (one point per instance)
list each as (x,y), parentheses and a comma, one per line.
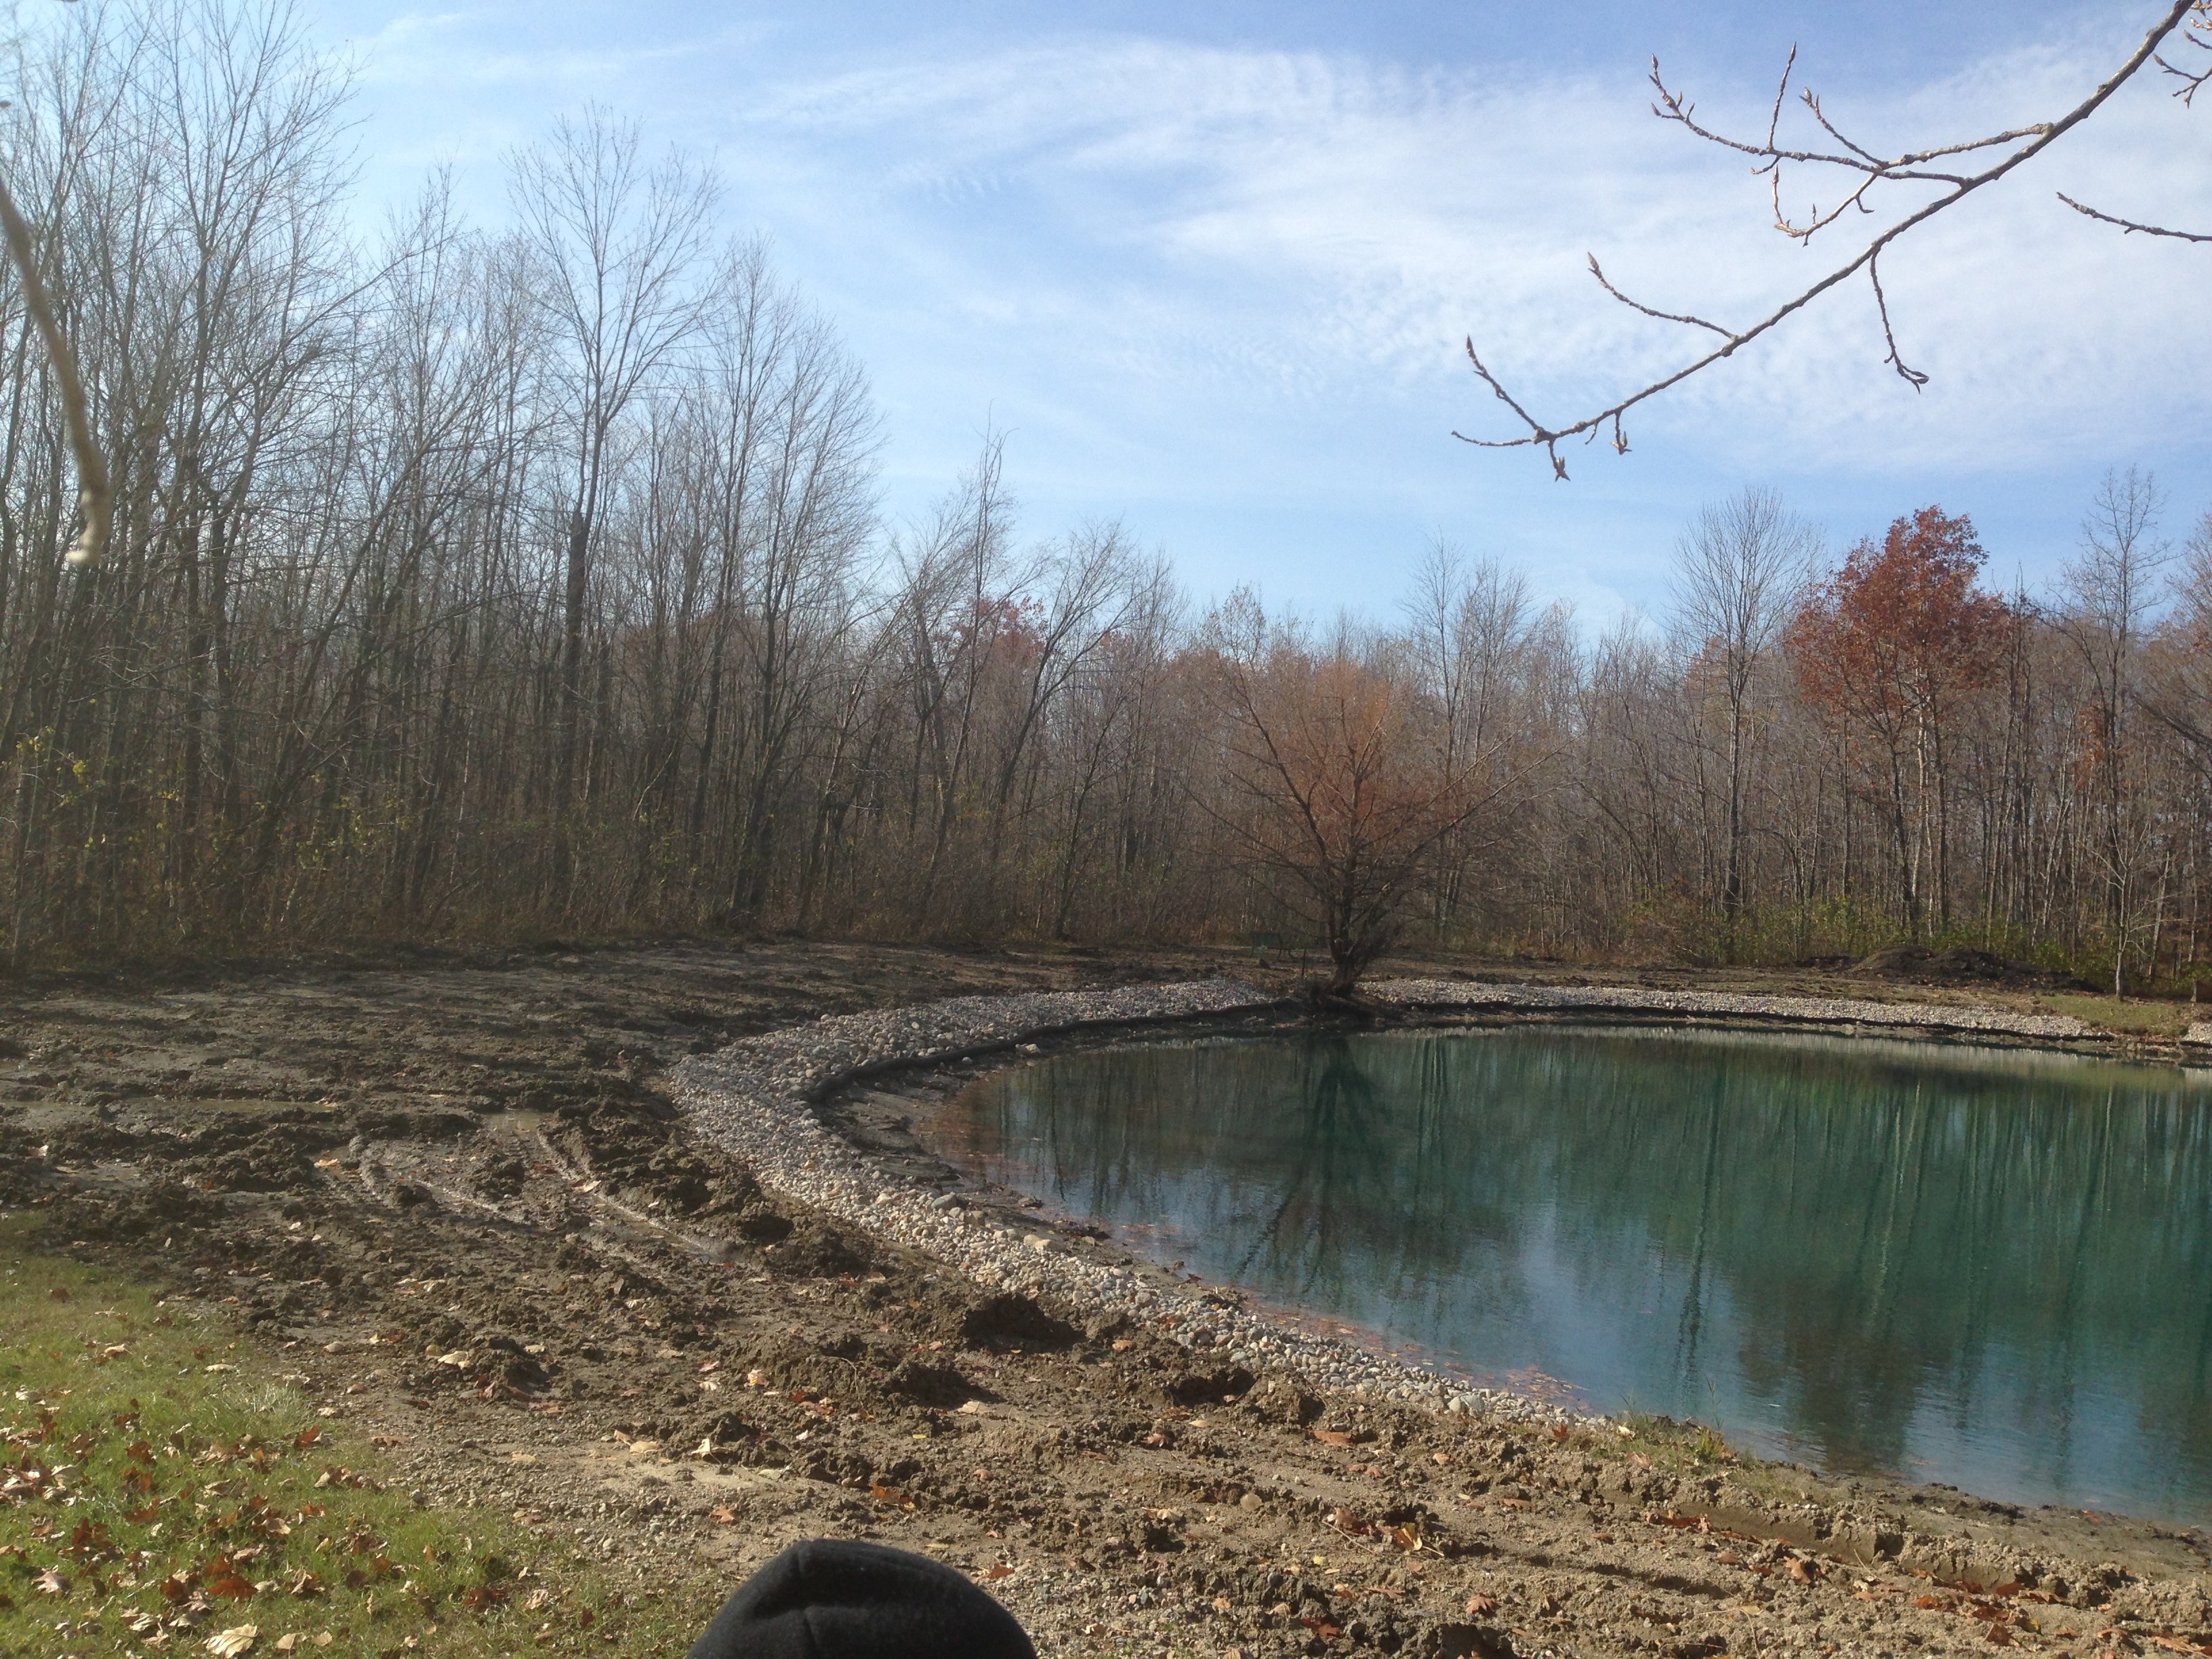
(1987,1268)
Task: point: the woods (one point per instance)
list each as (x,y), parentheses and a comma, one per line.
(485,583)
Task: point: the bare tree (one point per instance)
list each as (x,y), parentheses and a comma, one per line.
(1740,571)
(617,242)
(1951,170)
(2110,588)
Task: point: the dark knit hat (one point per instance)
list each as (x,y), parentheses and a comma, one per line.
(831,1598)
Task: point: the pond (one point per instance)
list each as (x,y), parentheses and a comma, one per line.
(1989,1268)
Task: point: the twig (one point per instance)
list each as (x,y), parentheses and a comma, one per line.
(93,497)
(1913,376)
(1637,305)
(2130,226)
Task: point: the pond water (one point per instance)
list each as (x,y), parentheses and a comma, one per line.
(1985,1267)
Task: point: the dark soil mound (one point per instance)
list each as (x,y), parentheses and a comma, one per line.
(813,1249)
(1958,965)
(142,1212)
(1014,1319)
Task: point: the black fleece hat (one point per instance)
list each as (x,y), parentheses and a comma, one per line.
(834,1599)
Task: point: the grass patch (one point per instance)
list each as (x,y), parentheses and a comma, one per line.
(157,1496)
(2166,1019)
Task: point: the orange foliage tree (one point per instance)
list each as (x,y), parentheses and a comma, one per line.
(1341,782)
(1886,648)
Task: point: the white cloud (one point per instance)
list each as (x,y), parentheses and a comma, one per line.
(1235,222)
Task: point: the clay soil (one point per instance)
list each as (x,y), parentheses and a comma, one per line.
(449,1192)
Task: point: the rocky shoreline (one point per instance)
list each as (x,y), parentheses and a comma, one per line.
(756,1100)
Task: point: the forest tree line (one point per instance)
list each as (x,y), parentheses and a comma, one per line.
(473,582)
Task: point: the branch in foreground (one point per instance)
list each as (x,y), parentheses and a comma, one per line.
(94,499)
(2021,145)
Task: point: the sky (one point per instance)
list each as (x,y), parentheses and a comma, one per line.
(1209,269)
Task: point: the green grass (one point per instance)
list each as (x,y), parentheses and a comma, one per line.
(156,1490)
(2167,1019)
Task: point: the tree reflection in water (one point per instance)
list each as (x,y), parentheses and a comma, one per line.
(1989,1268)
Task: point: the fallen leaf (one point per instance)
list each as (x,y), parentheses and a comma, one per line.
(228,1643)
(1478,1605)
(52,1583)
(2000,1635)
(723,1516)
(999,1569)
(1332,1437)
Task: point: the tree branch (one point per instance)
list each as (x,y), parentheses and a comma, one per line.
(2026,143)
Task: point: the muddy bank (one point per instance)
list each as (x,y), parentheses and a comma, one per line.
(459,1200)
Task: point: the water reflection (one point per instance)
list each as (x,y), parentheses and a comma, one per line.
(1989,1268)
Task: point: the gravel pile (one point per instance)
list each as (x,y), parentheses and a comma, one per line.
(755,1099)
(1819,1011)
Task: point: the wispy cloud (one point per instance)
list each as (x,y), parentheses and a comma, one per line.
(1305,221)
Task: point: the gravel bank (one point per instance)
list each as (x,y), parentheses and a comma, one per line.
(754,1099)
(1815,1010)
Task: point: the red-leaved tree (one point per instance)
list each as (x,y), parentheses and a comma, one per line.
(1887,648)
(1343,783)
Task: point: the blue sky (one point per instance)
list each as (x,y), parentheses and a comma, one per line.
(1209,267)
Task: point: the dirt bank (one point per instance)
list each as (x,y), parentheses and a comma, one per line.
(455,1195)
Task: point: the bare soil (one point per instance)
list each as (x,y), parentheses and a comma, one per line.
(448,1193)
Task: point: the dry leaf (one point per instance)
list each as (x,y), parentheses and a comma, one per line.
(1478,1605)
(1332,1437)
(227,1644)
